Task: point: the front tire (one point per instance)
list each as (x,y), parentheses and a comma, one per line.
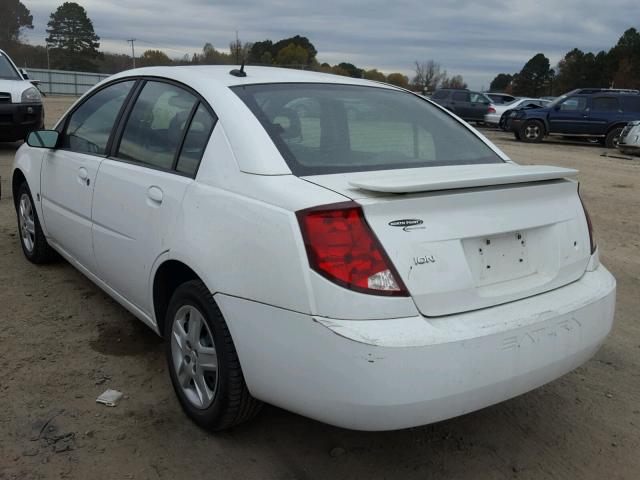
(612,138)
(32,240)
(203,362)
(532,131)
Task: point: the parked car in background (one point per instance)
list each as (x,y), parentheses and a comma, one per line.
(21,108)
(594,113)
(629,142)
(468,105)
(337,247)
(510,111)
(496,112)
(500,98)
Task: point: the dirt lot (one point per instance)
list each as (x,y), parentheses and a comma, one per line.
(63,342)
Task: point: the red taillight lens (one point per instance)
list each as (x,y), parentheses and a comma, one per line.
(341,247)
(592,238)
(492,110)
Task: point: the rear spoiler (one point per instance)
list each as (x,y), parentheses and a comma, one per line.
(458,176)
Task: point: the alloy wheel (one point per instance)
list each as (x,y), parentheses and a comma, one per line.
(27,223)
(616,141)
(532,132)
(194,357)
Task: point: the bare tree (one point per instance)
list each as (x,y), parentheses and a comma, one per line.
(428,75)
(454,82)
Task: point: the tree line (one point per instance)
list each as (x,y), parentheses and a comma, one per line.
(618,67)
(72,44)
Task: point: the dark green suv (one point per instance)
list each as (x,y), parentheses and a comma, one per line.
(471,106)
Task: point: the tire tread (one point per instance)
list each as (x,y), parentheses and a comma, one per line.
(239,406)
(42,252)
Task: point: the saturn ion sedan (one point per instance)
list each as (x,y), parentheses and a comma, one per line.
(340,248)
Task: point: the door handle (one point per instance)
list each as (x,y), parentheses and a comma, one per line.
(83,175)
(155,194)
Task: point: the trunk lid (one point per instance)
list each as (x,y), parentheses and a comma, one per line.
(469,237)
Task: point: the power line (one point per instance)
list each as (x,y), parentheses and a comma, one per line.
(133,52)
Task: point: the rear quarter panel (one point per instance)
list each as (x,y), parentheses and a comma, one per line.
(240,234)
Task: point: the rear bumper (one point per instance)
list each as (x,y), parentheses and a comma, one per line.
(18,119)
(399,373)
(492,118)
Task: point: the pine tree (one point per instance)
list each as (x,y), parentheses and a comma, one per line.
(14,16)
(72,40)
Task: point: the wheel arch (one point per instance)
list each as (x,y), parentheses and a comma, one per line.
(169,275)
(616,125)
(542,121)
(17,179)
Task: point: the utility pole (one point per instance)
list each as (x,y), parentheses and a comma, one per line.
(46,46)
(133,52)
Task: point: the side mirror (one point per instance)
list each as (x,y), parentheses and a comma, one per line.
(556,108)
(43,139)
(24,74)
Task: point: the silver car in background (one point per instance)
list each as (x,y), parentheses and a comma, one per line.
(493,116)
(629,140)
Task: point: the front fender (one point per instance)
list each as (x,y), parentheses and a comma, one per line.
(28,162)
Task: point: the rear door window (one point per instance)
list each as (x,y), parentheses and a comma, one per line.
(461,96)
(156,125)
(196,141)
(440,94)
(605,104)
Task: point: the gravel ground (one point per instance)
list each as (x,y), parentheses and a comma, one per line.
(63,342)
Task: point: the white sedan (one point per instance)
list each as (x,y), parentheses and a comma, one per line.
(340,248)
(495,112)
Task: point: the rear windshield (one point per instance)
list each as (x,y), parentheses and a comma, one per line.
(6,69)
(329,128)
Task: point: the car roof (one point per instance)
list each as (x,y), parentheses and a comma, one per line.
(212,82)
(220,75)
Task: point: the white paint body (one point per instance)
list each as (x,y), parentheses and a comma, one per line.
(462,340)
(15,87)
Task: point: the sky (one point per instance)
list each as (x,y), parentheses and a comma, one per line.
(473,39)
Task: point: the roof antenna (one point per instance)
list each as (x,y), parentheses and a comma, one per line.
(239,73)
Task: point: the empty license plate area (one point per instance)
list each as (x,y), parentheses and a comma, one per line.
(499,258)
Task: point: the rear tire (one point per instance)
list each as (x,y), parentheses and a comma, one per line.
(203,363)
(32,240)
(517,135)
(532,131)
(611,140)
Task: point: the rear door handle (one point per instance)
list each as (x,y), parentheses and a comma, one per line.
(83,175)
(155,194)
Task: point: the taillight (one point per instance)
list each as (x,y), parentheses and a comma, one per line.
(342,247)
(592,238)
(491,110)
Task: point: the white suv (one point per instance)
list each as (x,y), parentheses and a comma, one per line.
(340,248)
(20,102)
